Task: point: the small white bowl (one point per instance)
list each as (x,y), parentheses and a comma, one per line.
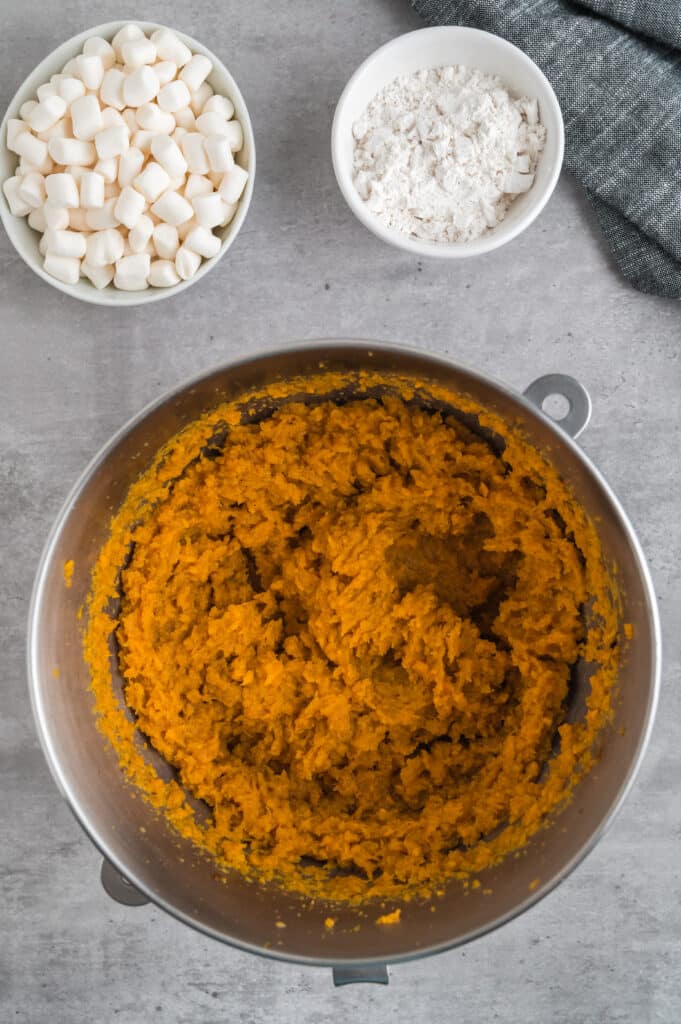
(25,239)
(438,47)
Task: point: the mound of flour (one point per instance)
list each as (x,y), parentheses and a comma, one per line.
(441,154)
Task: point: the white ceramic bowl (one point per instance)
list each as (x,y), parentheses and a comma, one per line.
(25,240)
(436,47)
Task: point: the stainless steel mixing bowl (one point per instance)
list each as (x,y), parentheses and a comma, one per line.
(159,865)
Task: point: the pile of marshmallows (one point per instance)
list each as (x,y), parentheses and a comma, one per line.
(127,163)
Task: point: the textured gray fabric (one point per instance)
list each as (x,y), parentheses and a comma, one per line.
(620,94)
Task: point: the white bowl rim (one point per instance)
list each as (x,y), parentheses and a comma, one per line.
(111,296)
(446,250)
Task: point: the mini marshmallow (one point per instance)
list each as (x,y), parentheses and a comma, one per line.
(132,272)
(27,166)
(32,150)
(18,207)
(165,71)
(70,89)
(56,217)
(108,169)
(169,155)
(72,151)
(32,190)
(99,276)
(185,119)
(65,243)
(90,70)
(104,217)
(69,68)
(42,246)
(63,268)
(137,52)
(186,228)
(78,222)
(194,153)
(76,171)
(60,130)
(26,108)
(48,89)
(140,87)
(169,47)
(152,119)
(111,91)
(92,190)
(141,140)
(235,135)
(141,233)
(152,181)
(47,113)
(104,247)
(203,242)
(162,274)
(129,206)
(112,141)
(172,208)
(209,210)
(166,240)
(112,118)
(211,123)
(86,115)
(178,135)
(197,185)
(200,98)
(36,219)
(219,105)
(15,127)
(95,46)
(195,71)
(233,184)
(123,36)
(174,96)
(130,117)
(187,263)
(62,190)
(230,210)
(129,166)
(219,152)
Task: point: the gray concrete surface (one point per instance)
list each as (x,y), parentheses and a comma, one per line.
(606,946)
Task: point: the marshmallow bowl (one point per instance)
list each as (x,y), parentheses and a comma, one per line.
(127,164)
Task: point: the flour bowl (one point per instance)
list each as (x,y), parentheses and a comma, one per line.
(437,47)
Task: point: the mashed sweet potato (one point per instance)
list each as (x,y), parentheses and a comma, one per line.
(350,629)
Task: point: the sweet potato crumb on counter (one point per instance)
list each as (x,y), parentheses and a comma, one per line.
(69,567)
(350,629)
(533,884)
(392,918)
(330,923)
(279,924)
(55,672)
(628,630)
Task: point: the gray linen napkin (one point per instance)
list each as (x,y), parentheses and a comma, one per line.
(616,68)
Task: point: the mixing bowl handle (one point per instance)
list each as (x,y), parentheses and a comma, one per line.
(119,888)
(579,403)
(378,973)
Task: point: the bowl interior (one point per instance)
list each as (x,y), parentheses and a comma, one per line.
(168,868)
(436,47)
(25,239)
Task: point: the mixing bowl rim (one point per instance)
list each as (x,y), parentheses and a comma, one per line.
(35,689)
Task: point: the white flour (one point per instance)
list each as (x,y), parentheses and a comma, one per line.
(442,154)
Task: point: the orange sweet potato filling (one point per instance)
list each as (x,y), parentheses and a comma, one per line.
(350,629)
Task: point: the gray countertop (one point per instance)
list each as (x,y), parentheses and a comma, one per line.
(606,945)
